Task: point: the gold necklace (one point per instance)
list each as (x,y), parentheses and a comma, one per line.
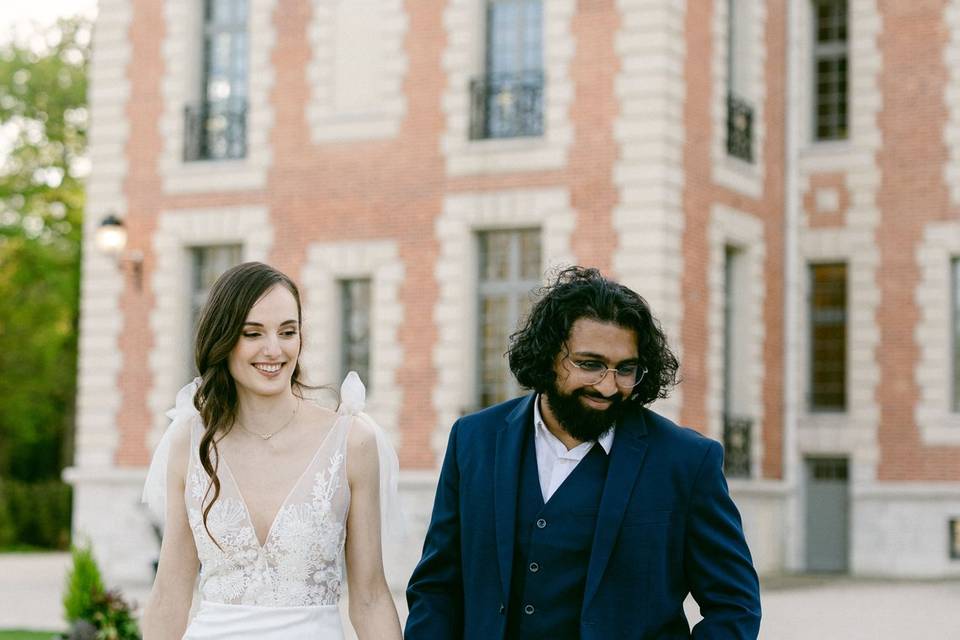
(267,436)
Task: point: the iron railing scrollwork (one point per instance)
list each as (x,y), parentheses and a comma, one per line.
(215,131)
(739,128)
(737,433)
(506,105)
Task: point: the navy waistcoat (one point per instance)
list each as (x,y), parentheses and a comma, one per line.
(552,551)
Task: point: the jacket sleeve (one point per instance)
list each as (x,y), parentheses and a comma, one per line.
(435,592)
(717,561)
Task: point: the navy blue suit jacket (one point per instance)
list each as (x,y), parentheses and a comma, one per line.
(666,527)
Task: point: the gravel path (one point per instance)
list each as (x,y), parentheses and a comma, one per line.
(794,608)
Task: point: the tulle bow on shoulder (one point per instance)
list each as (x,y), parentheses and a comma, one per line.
(352,402)
(183,414)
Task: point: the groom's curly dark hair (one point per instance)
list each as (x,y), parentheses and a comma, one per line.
(579,292)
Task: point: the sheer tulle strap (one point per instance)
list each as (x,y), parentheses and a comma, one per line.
(182,416)
(352,402)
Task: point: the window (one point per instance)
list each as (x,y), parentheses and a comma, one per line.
(509,271)
(216,128)
(739,109)
(507,101)
(955,264)
(355,298)
(737,425)
(830,69)
(828,337)
(207,264)
(954,538)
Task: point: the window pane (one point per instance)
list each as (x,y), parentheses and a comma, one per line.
(221,117)
(830,70)
(530,254)
(493,344)
(828,336)
(956,334)
(495,255)
(509,271)
(355,302)
(507,102)
(207,264)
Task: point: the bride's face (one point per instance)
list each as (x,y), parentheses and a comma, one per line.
(263,360)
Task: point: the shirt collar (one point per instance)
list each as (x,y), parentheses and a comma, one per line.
(606,440)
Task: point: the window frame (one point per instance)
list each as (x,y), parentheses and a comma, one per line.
(520,85)
(198,294)
(954,331)
(343,291)
(231,113)
(514,288)
(812,404)
(837,51)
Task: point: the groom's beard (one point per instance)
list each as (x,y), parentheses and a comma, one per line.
(580,421)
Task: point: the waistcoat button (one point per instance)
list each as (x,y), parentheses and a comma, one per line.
(529,609)
(541,523)
(534,567)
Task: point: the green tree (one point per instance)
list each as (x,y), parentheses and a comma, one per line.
(43,133)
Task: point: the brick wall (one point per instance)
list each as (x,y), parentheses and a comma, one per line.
(913,196)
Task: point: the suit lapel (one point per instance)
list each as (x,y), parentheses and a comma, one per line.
(626,459)
(506,481)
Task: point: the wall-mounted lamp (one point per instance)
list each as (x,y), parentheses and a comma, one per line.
(111,240)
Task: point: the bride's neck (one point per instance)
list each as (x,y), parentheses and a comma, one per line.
(254,409)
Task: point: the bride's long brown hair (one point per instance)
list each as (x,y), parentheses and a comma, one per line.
(221,322)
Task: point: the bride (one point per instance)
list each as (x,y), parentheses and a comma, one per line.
(271,497)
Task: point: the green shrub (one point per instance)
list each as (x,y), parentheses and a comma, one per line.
(84,585)
(87,604)
(8,533)
(37,514)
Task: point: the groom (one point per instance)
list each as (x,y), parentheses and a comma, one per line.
(576,512)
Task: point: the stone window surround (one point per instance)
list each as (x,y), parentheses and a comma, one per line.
(729,226)
(463,59)
(736,174)
(379,261)
(649,174)
(951,96)
(455,311)
(181,53)
(853,431)
(938,422)
(177,231)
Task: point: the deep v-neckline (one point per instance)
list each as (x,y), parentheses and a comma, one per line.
(243,502)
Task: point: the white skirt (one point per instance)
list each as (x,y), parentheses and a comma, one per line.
(216,621)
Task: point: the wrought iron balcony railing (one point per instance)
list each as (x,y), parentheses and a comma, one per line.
(506,105)
(739,128)
(215,131)
(737,433)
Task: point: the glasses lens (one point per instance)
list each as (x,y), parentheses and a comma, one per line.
(594,377)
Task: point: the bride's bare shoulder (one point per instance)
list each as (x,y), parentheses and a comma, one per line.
(316,412)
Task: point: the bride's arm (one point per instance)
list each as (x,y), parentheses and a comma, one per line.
(372,612)
(167,608)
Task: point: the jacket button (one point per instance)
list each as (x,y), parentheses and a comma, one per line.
(529,609)
(541,523)
(534,567)
(502,608)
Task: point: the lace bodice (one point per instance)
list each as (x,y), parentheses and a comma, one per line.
(301,560)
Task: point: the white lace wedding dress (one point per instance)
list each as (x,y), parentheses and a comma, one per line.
(290,585)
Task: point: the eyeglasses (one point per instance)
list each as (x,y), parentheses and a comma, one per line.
(593,372)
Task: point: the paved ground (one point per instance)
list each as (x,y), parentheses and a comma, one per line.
(795,608)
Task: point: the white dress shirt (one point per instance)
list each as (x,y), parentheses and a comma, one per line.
(554,461)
